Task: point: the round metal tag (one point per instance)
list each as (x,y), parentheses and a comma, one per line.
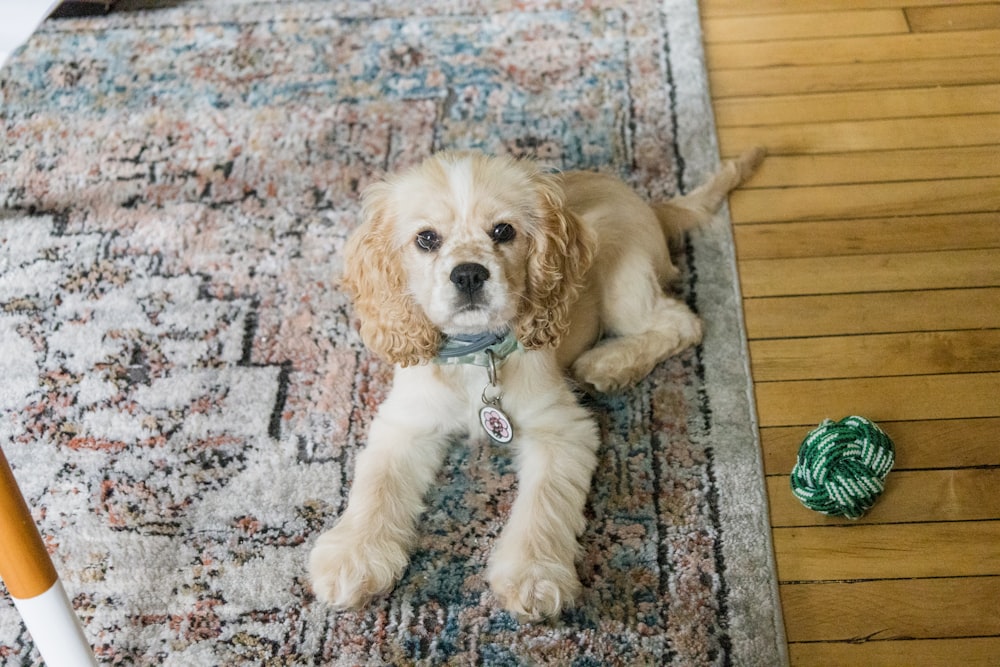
(496,424)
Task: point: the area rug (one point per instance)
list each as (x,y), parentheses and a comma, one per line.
(182,389)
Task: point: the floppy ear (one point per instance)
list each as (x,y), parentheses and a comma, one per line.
(559,254)
(392,324)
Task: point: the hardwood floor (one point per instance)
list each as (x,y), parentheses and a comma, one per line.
(869,255)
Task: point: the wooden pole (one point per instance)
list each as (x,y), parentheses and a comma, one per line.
(33,584)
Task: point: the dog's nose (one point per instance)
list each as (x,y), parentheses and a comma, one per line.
(469,278)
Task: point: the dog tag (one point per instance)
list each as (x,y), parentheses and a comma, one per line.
(496,423)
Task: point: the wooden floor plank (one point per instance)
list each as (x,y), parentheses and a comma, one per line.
(920,164)
(920,444)
(967,652)
(881,48)
(799,79)
(712,8)
(804,25)
(868,135)
(822,553)
(953,16)
(853,105)
(899,609)
(875,355)
(808,402)
(870,273)
(837,314)
(911,496)
(868,236)
(866,200)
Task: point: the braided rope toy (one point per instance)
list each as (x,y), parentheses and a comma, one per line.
(841,467)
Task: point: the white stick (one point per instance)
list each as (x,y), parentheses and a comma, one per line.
(55,628)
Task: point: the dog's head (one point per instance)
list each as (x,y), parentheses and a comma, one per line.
(460,244)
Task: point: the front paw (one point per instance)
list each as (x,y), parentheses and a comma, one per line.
(349,567)
(531,589)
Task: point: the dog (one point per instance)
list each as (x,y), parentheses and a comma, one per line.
(496,288)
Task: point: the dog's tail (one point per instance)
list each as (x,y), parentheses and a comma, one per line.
(692,210)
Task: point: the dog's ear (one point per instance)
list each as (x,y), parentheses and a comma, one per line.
(560,252)
(391,323)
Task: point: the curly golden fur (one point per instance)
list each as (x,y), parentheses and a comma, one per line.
(556,256)
(559,256)
(575,265)
(390,322)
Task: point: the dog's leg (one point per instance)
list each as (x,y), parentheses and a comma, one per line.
(533,567)
(368,549)
(668,327)
(645,327)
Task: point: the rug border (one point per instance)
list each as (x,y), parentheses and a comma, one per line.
(756,626)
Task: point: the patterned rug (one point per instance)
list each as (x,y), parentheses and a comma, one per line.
(183,394)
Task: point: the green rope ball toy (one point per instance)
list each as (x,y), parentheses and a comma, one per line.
(841,467)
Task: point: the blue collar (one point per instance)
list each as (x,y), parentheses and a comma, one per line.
(476,349)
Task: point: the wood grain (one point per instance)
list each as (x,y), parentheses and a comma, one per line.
(870,49)
(710,8)
(865,135)
(808,402)
(968,549)
(951,17)
(875,355)
(914,496)
(881,166)
(868,236)
(920,444)
(851,105)
(967,652)
(871,273)
(866,200)
(895,609)
(824,78)
(804,25)
(835,314)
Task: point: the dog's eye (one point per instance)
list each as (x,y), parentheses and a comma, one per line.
(503,233)
(428,240)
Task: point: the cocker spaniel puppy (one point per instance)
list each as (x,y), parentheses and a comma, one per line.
(493,286)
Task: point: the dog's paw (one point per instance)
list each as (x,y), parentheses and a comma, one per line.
(621,362)
(533,590)
(349,568)
(608,368)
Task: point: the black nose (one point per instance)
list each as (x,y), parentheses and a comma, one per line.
(469,278)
